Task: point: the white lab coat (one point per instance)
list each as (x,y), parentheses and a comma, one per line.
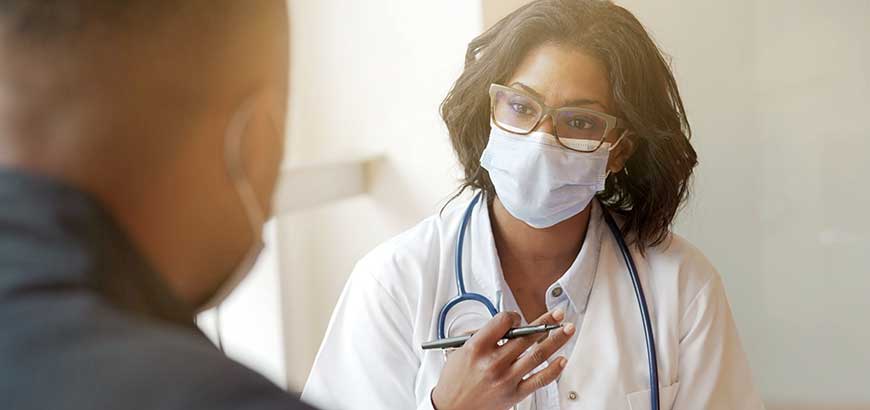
(371,356)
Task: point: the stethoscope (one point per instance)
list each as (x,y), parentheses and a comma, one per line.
(464,295)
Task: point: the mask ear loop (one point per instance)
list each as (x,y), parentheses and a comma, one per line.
(217,328)
(613,147)
(233,157)
(618,141)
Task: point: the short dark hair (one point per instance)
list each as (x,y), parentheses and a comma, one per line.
(46,18)
(655,181)
(46,21)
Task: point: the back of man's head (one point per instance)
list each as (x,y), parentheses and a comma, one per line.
(130,100)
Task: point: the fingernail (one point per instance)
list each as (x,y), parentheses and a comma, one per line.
(558,314)
(563,362)
(568,329)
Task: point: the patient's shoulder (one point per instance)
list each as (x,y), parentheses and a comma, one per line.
(178,367)
(194,374)
(110,358)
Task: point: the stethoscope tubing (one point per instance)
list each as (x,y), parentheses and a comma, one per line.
(642,305)
(463,295)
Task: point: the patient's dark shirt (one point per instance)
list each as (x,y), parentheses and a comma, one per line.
(85,323)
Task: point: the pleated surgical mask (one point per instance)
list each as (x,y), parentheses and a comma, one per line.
(538,180)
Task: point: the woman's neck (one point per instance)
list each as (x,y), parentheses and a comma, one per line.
(525,249)
(532,259)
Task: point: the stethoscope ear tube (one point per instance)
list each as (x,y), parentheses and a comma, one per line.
(641,303)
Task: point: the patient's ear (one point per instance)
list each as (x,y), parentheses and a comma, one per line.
(621,153)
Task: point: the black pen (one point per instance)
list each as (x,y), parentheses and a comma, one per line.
(458,341)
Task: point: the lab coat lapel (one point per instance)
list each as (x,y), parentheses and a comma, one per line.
(609,359)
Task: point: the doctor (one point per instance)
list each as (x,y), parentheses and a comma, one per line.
(566,110)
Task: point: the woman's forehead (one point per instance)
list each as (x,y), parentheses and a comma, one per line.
(564,76)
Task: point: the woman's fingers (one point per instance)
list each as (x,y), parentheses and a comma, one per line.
(541,378)
(542,351)
(488,336)
(510,351)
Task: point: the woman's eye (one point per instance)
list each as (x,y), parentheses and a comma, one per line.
(521,109)
(581,124)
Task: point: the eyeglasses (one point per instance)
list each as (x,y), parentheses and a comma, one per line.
(520,113)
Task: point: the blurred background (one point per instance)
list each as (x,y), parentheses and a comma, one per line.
(776,92)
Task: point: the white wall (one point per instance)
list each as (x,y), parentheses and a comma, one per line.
(812,72)
(777,93)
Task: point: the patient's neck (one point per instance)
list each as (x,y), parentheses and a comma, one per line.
(538,253)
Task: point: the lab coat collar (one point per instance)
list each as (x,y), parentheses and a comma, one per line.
(577,280)
(486,268)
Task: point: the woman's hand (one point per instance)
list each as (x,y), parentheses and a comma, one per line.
(483,375)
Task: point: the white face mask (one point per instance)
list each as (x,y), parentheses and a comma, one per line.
(539,181)
(254,211)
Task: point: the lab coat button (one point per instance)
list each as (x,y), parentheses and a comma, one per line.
(572,396)
(556,292)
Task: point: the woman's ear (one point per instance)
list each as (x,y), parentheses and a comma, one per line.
(621,153)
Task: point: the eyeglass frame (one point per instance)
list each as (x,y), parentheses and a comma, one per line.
(611,122)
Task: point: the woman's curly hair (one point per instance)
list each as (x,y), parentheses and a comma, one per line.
(655,181)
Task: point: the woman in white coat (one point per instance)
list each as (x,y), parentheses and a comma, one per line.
(566,109)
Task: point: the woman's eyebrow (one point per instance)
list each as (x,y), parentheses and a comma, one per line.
(573,103)
(528,89)
(583,101)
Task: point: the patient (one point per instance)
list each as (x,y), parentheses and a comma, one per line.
(139,147)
